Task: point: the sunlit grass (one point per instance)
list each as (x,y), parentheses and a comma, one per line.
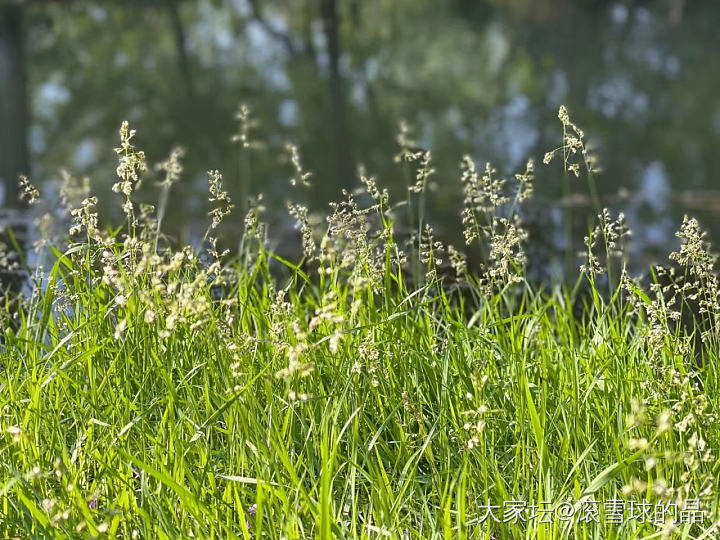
(150,392)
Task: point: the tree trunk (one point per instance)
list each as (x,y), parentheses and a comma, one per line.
(178,30)
(14,158)
(336,87)
(677,8)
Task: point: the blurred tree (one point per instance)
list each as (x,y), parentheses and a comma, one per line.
(335,76)
(14,121)
(336,86)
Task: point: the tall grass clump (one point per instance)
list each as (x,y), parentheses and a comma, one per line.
(377,388)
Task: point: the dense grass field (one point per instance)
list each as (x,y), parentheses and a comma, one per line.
(372,390)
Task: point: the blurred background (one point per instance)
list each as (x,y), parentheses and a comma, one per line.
(477,77)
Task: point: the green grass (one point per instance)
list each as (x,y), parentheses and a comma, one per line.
(156,393)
